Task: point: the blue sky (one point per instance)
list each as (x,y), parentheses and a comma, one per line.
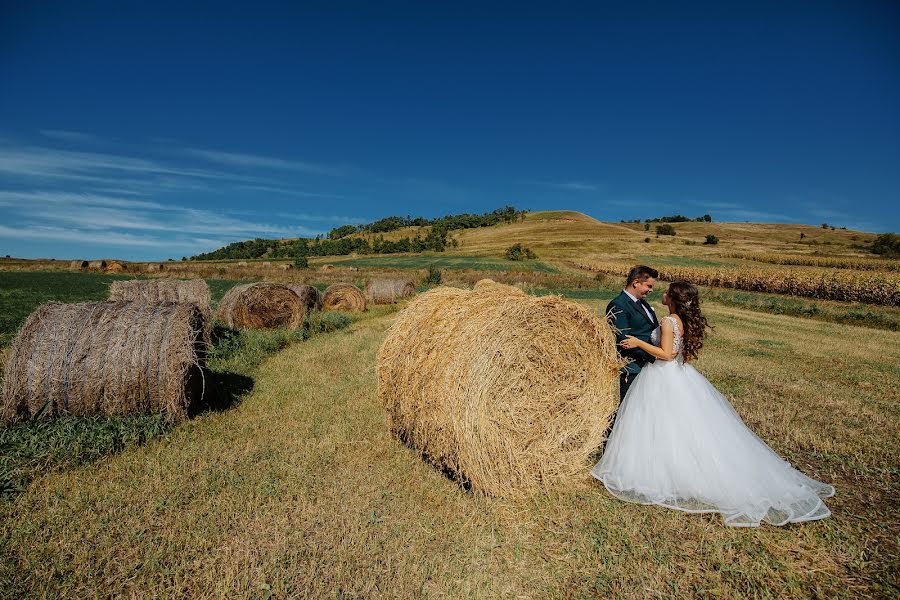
(155,130)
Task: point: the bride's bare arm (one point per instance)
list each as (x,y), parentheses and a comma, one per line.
(665,351)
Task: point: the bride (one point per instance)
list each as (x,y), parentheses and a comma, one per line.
(678,443)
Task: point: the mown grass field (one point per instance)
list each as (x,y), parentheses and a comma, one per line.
(301,491)
(294,487)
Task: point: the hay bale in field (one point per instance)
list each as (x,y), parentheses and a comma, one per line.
(286,266)
(154,267)
(261,306)
(97,265)
(107,358)
(114,266)
(344,296)
(506,391)
(326,268)
(242,263)
(310,297)
(77,265)
(388,291)
(191,291)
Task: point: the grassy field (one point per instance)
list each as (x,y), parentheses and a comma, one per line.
(477,263)
(301,491)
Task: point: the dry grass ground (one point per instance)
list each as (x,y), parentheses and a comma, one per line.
(300,491)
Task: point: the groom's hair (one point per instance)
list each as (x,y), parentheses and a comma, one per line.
(641,272)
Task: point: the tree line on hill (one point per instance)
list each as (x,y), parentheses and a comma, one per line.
(673,219)
(339,243)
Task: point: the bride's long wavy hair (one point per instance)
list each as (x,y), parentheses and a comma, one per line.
(685,299)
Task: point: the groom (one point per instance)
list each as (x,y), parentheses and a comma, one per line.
(631,315)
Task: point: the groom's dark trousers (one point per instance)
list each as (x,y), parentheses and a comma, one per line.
(630,318)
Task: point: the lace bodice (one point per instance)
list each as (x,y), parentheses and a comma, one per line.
(677,339)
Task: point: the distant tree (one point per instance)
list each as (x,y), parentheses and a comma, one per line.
(707,218)
(519,252)
(342,231)
(646,226)
(301,262)
(665,230)
(824,225)
(646,240)
(184,258)
(887,245)
(711,240)
(802,235)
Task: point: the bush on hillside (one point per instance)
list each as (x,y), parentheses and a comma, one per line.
(665,230)
(519,252)
(434,276)
(301,262)
(887,245)
(711,240)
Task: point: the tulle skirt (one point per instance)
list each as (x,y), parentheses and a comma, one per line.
(677,442)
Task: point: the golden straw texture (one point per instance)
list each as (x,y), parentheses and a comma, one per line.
(344,296)
(388,291)
(261,306)
(506,391)
(109,358)
(192,291)
(310,297)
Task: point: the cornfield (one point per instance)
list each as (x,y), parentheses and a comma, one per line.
(830,262)
(870,287)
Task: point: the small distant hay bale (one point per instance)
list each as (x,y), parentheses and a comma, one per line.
(115,266)
(505,391)
(265,263)
(310,297)
(105,358)
(388,291)
(77,265)
(154,267)
(242,263)
(97,265)
(344,296)
(191,291)
(286,266)
(261,306)
(326,268)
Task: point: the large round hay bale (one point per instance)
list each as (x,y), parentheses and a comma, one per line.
(310,297)
(192,291)
(505,391)
(77,265)
(154,267)
(388,291)
(115,266)
(108,358)
(261,306)
(97,265)
(343,296)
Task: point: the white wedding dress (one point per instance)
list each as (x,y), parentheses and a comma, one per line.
(677,442)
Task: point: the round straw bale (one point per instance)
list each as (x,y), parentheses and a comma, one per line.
(78,265)
(106,358)
(97,264)
(192,291)
(261,306)
(505,391)
(114,266)
(153,267)
(285,266)
(388,291)
(310,297)
(326,268)
(242,263)
(344,296)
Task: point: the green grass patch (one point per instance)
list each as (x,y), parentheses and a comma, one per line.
(475,263)
(22,292)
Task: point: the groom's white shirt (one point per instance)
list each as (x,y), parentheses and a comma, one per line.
(633,299)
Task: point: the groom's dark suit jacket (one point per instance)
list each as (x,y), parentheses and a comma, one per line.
(629,318)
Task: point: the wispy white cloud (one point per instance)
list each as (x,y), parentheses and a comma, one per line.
(288,192)
(112,239)
(71,136)
(237,159)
